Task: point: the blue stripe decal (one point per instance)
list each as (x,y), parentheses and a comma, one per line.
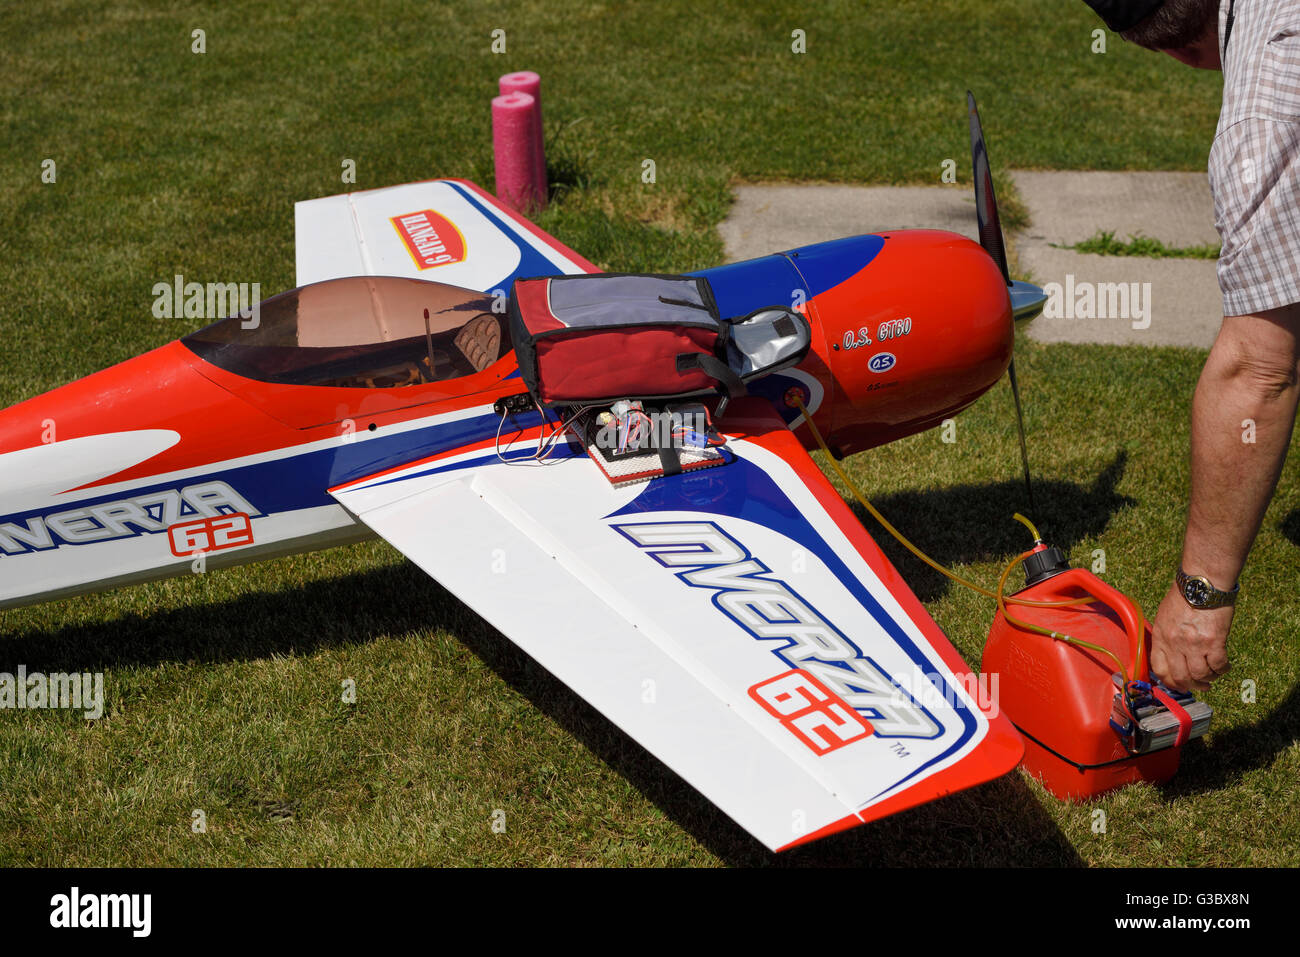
(743,490)
(740,288)
(561,451)
(531,262)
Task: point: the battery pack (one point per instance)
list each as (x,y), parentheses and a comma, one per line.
(626,454)
(1156,726)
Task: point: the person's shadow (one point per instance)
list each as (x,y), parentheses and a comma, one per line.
(1228,755)
(1290,527)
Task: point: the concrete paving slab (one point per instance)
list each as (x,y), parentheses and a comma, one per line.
(1068,206)
(1180,297)
(771,218)
(1124,300)
(1175,301)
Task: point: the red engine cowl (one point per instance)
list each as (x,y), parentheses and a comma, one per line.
(915,337)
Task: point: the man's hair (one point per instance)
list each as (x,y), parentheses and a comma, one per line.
(1174,26)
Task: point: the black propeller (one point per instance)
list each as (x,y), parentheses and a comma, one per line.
(990,228)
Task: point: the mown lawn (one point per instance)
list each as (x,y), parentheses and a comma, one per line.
(224,690)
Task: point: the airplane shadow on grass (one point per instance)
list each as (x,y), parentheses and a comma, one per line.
(973,523)
(1000,823)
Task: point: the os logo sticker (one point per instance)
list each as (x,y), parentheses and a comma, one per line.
(881,362)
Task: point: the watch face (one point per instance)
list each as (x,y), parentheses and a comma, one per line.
(1196,591)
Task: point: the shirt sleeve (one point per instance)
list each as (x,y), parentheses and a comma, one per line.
(1255,178)
(1255,161)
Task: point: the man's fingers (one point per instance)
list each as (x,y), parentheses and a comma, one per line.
(1159,662)
(1186,676)
(1201,675)
(1174,672)
(1182,679)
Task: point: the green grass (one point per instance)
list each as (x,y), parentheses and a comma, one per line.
(224,690)
(1104,243)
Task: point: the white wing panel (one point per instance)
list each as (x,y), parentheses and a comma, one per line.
(439,230)
(785,681)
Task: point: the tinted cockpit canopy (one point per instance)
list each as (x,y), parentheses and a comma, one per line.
(359,332)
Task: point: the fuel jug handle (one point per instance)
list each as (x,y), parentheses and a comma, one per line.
(1129,615)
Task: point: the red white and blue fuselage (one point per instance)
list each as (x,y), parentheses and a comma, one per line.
(121,476)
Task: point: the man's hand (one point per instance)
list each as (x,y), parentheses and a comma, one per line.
(1189,646)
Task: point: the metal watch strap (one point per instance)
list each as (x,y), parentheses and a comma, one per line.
(1213,597)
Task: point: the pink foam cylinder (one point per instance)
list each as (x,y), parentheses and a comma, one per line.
(513,144)
(526,81)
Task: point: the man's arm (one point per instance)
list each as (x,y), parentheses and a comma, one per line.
(1242,417)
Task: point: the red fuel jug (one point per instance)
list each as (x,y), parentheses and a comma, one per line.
(1062,697)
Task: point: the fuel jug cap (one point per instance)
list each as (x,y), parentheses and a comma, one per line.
(1045,563)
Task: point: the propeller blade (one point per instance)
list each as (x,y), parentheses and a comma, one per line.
(986,204)
(990,227)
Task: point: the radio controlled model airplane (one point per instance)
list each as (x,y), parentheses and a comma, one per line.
(798,683)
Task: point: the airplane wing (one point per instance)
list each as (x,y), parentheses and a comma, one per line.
(738,622)
(445,230)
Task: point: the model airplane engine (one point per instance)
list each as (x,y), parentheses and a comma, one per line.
(914,338)
(1090,725)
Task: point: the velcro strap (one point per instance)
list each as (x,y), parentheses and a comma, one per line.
(672,465)
(714,368)
(1178,711)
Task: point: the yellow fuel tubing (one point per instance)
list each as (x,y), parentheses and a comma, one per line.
(1056,635)
(1029,525)
(1138,655)
(862,499)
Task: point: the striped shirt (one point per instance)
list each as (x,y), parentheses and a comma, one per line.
(1255,160)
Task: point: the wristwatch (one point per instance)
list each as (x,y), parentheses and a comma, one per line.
(1199,593)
